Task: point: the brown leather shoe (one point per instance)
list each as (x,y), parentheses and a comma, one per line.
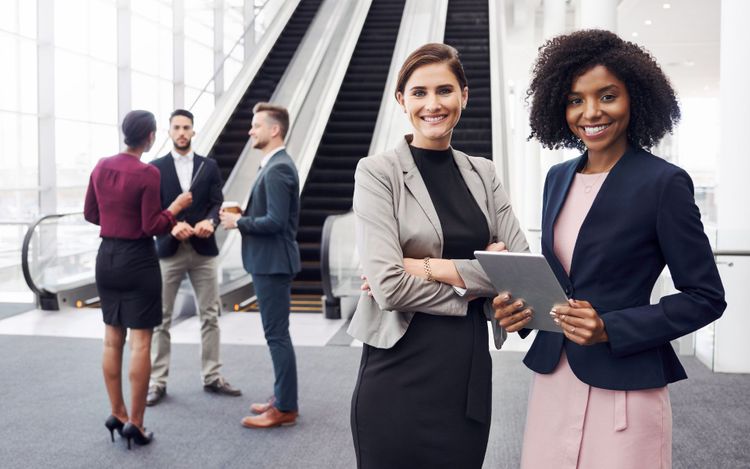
(221,386)
(155,394)
(273,417)
(259,408)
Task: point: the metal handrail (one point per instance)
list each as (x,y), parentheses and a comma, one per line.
(39,292)
(731,253)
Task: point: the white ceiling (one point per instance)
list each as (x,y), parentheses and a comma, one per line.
(683,38)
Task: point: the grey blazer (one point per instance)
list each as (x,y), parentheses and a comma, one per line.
(395,218)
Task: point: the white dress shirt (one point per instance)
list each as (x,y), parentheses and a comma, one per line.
(183,164)
(268,156)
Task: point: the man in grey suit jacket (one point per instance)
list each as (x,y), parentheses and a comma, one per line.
(271,254)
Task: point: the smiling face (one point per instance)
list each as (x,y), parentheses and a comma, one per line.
(263,131)
(433,99)
(598,112)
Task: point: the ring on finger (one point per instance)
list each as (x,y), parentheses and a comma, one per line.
(572,329)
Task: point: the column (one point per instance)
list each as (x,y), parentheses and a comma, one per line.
(46,106)
(218,49)
(731,347)
(178,54)
(124,71)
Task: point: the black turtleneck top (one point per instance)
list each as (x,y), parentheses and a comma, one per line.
(464,226)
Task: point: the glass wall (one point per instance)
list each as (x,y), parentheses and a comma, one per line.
(85,79)
(19,177)
(152,64)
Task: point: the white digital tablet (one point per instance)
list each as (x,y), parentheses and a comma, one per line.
(529,277)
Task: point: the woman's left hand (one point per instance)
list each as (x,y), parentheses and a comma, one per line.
(580,322)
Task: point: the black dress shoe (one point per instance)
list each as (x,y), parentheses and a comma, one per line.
(131,432)
(220,386)
(155,394)
(113,423)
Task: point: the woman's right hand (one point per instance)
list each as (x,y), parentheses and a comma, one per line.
(512,314)
(180,203)
(496,247)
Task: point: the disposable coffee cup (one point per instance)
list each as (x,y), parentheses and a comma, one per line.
(231,207)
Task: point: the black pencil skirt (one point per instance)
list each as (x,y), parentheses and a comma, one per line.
(129,283)
(426,402)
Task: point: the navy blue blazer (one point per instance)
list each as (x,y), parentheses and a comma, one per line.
(643,217)
(269,225)
(207,199)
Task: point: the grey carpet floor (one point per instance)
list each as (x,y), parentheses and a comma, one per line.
(53,406)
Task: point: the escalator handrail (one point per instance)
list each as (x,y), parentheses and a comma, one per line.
(325,241)
(38,291)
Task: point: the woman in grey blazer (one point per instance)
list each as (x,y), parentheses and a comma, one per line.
(423,394)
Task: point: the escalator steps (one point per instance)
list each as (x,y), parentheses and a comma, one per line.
(330,184)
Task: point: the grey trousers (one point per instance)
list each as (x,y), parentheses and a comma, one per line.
(203,274)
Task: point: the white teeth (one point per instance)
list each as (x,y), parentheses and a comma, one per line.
(591,130)
(431,119)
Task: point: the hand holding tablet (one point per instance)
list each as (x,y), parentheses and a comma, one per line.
(526,277)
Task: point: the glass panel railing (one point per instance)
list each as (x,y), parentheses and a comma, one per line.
(13,288)
(59,254)
(339,262)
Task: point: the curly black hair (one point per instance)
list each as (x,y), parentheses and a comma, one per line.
(653,105)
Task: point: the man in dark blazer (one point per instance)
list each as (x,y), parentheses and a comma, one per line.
(190,249)
(271,254)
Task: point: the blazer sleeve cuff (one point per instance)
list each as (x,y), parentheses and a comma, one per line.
(476,281)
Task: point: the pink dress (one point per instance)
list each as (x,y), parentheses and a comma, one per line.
(571,425)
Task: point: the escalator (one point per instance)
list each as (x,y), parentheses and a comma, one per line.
(467,29)
(233,138)
(329,185)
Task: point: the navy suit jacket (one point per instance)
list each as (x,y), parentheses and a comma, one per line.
(269,225)
(207,199)
(643,217)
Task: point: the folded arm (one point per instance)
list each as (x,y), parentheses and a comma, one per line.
(377,234)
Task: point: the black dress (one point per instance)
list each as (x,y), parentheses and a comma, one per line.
(426,402)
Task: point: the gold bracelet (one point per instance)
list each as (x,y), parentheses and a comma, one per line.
(428,270)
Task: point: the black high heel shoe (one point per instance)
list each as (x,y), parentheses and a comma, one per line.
(113,423)
(131,432)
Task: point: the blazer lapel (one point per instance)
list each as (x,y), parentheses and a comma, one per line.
(479,190)
(414,183)
(600,200)
(557,193)
(171,173)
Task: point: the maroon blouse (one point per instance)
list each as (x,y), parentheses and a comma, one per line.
(123,198)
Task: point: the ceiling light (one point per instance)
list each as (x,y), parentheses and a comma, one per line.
(689,63)
(667,6)
(647,22)
(635,34)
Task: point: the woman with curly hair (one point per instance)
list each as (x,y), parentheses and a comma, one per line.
(612,219)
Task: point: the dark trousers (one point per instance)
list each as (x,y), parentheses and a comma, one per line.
(274,298)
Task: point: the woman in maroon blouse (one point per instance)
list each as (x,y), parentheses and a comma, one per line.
(123,198)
